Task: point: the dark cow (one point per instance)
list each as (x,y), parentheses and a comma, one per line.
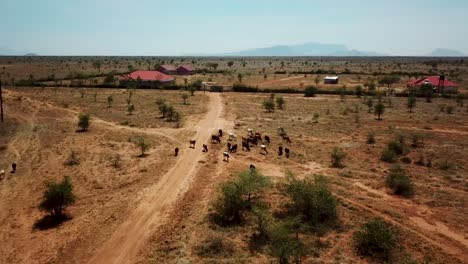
(229,145)
(253,141)
(226,156)
(13,167)
(245,146)
(233,149)
(215,139)
(176,152)
(192,143)
(287,139)
(280,151)
(205,148)
(267,139)
(258,136)
(220,133)
(286,152)
(252,168)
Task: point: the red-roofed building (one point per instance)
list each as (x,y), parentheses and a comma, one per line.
(167,69)
(440,84)
(147,79)
(185,70)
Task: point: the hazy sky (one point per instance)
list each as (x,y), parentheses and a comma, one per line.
(154,27)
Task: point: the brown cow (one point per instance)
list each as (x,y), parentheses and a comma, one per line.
(192,143)
(215,139)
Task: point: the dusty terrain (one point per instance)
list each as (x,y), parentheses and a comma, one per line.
(155,209)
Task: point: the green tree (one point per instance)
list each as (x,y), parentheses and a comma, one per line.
(411,103)
(375,239)
(142,143)
(269,105)
(428,91)
(230,64)
(83,121)
(337,157)
(280,102)
(284,246)
(379,109)
(97,65)
(370,104)
(399,182)
(252,182)
(310,91)
(57,197)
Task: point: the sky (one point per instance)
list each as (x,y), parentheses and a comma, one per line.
(154,27)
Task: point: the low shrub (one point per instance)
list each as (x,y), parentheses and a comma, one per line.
(337,157)
(375,239)
(399,182)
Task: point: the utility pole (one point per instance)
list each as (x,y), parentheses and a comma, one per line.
(1,100)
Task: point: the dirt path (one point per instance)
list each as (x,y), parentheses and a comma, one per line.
(127,241)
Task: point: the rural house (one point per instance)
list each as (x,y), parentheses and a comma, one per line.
(147,79)
(331,80)
(167,69)
(439,83)
(185,70)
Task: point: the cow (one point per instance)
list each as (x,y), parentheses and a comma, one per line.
(263,149)
(258,136)
(192,143)
(245,146)
(205,148)
(233,149)
(176,152)
(220,133)
(287,139)
(267,139)
(215,139)
(252,168)
(286,152)
(226,156)
(249,132)
(229,145)
(13,167)
(280,151)
(252,141)
(232,137)
(2,174)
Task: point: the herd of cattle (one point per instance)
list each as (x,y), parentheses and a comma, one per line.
(252,139)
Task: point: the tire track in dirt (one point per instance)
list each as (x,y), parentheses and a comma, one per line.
(128,240)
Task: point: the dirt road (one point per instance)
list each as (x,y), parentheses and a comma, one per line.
(127,241)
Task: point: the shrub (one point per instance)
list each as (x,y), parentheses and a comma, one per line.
(109,101)
(130,109)
(184,97)
(379,109)
(280,102)
(389,155)
(57,197)
(73,159)
(370,138)
(269,105)
(417,140)
(83,121)
(215,246)
(376,239)
(142,143)
(411,103)
(399,181)
(406,160)
(310,91)
(283,246)
(312,201)
(337,157)
(370,104)
(450,109)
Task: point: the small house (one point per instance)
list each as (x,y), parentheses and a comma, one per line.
(331,80)
(440,84)
(147,79)
(185,70)
(167,69)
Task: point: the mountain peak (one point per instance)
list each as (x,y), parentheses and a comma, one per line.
(440,52)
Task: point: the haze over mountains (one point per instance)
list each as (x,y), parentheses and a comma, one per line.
(306,49)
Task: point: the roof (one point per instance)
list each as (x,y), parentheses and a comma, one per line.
(433,80)
(331,78)
(186,67)
(149,76)
(168,67)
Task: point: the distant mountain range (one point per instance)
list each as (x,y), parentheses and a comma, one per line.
(319,49)
(306,49)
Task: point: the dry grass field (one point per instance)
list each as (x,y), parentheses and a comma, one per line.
(158,208)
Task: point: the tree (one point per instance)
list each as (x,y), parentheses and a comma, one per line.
(110,79)
(109,101)
(163,108)
(399,182)
(284,246)
(57,197)
(375,239)
(230,64)
(337,157)
(143,144)
(379,109)
(411,103)
(269,105)
(310,91)
(311,200)
(428,91)
(369,104)
(317,80)
(358,90)
(389,80)
(252,182)
(83,121)
(280,102)
(184,97)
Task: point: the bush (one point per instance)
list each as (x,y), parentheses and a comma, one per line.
(73,159)
(312,201)
(83,121)
(370,138)
(215,246)
(399,182)
(389,155)
(411,103)
(269,105)
(283,246)
(57,197)
(379,109)
(280,102)
(337,157)
(375,239)
(417,140)
(143,144)
(310,91)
